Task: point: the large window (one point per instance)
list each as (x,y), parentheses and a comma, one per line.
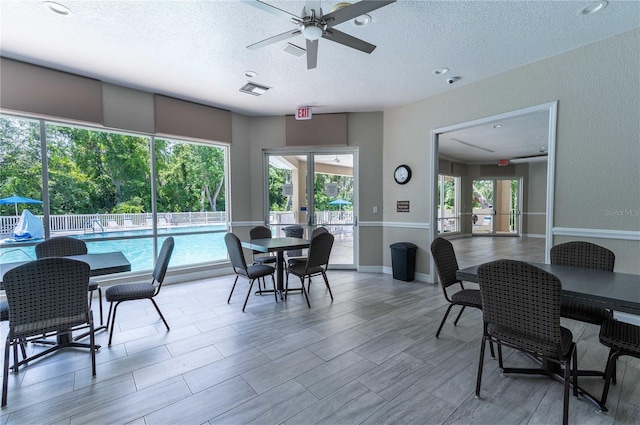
(101,189)
(448,204)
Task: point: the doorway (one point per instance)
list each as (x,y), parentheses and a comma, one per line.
(495,207)
(310,189)
(544,119)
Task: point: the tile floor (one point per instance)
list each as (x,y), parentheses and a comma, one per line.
(369,357)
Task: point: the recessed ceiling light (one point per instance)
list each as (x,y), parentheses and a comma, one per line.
(250,74)
(440,71)
(58,8)
(496,126)
(362,20)
(593,7)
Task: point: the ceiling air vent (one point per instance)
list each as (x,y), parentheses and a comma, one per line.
(294,50)
(254,89)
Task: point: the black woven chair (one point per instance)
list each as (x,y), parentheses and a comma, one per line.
(239,264)
(588,256)
(447,265)
(623,339)
(4,316)
(521,310)
(316,264)
(46,297)
(292,261)
(139,291)
(261,232)
(64,246)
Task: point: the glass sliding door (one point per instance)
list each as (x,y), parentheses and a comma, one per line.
(448,204)
(333,189)
(306,190)
(496,207)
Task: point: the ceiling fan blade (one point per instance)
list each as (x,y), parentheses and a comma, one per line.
(348,40)
(312,54)
(273,10)
(351,12)
(273,39)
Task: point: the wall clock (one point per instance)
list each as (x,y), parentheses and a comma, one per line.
(402,174)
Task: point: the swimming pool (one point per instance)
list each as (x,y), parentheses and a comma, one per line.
(189,249)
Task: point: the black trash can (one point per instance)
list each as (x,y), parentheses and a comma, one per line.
(295,231)
(403,260)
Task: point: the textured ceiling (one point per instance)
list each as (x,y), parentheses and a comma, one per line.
(196,50)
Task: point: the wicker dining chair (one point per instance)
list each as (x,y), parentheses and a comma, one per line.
(64,246)
(292,261)
(444,257)
(261,232)
(623,339)
(47,297)
(251,273)
(521,310)
(316,264)
(117,294)
(4,316)
(589,256)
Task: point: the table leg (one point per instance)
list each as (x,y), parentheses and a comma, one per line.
(556,373)
(280,272)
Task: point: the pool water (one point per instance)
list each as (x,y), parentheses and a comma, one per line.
(188,250)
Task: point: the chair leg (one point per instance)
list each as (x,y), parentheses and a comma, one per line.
(5,371)
(565,402)
(248,293)
(575,370)
(304,291)
(275,290)
(455,323)
(326,282)
(232,288)
(92,343)
(610,370)
(113,320)
(480,366)
(286,286)
(500,364)
(444,319)
(493,354)
(100,302)
(160,313)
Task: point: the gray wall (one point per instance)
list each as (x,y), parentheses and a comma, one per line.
(597,149)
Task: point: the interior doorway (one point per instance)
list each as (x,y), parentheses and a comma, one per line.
(541,118)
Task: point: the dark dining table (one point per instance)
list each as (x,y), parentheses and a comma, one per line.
(610,290)
(100,264)
(279,246)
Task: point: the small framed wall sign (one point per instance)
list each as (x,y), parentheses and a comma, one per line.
(402,206)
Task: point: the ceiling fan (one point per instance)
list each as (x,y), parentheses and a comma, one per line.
(313,25)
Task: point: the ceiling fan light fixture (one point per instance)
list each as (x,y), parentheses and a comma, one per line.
(57,8)
(312,31)
(362,20)
(593,7)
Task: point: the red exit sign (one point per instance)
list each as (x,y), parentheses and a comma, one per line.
(303,113)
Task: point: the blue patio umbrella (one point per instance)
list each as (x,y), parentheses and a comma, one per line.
(340,202)
(15,200)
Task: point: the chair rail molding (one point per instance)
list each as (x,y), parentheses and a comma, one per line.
(627,235)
